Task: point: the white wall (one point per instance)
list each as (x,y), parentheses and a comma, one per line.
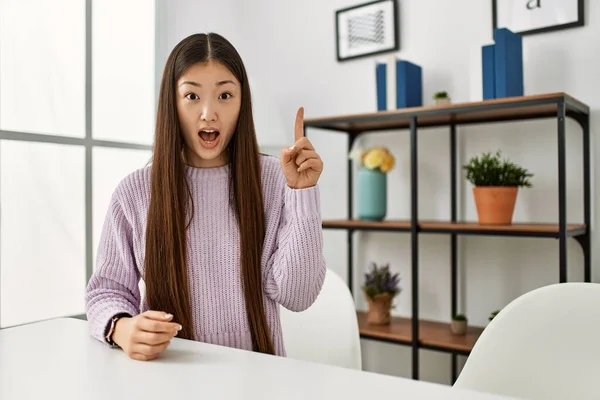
(292,45)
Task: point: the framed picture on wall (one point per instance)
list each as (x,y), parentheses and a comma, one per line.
(536,16)
(366,29)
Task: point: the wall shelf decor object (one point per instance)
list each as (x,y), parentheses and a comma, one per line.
(399,84)
(502,66)
(528,17)
(366,29)
(422,334)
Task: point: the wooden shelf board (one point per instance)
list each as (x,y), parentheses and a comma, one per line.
(505,109)
(432,334)
(515,227)
(358,224)
(456,227)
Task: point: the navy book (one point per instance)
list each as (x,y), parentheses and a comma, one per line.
(409,85)
(488,72)
(381,85)
(508,62)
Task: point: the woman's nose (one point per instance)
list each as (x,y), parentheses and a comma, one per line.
(208,113)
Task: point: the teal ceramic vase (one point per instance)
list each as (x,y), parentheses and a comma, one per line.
(372,194)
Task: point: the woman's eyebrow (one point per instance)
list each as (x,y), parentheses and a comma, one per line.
(220,83)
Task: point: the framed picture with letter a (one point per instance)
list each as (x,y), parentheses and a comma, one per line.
(527,17)
(366,29)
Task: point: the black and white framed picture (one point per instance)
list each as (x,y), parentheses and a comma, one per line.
(536,16)
(367,29)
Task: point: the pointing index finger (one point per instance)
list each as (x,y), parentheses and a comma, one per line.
(299,127)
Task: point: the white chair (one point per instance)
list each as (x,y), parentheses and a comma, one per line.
(543,345)
(327,332)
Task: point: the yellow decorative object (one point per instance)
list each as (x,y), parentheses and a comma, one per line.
(388,164)
(378,158)
(373,159)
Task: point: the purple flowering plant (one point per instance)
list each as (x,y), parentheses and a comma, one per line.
(380,280)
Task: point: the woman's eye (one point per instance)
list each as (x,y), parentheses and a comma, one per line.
(191,96)
(225,96)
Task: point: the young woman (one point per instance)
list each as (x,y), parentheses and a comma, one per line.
(219,234)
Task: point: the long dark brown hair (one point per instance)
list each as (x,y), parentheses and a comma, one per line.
(165,266)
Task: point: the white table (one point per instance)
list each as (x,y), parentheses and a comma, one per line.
(57,359)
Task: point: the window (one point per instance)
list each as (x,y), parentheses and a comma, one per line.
(42,67)
(42,230)
(76,116)
(123,70)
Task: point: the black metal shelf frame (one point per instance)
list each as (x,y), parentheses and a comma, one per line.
(564,106)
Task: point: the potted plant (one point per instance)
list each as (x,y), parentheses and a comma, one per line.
(374,163)
(496,182)
(441,98)
(380,288)
(458,325)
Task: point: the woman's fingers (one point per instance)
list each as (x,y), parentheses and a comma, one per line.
(304,155)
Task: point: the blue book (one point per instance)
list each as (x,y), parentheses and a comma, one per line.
(381,85)
(508,63)
(409,84)
(488,72)
(517,66)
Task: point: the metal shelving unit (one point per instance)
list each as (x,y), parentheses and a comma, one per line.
(435,335)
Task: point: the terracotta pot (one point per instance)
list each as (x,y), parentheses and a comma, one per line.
(495,204)
(379,309)
(458,327)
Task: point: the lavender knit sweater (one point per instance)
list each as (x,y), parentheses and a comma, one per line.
(292,260)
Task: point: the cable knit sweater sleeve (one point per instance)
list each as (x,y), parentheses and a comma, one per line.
(113,288)
(296,268)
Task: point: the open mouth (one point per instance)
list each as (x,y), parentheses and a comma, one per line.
(208,135)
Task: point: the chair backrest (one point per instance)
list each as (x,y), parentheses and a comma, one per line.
(543,345)
(326,332)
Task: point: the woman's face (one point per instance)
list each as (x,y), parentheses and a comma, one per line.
(208,105)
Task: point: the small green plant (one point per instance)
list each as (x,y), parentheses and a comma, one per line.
(380,280)
(492,170)
(493,314)
(460,317)
(440,95)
